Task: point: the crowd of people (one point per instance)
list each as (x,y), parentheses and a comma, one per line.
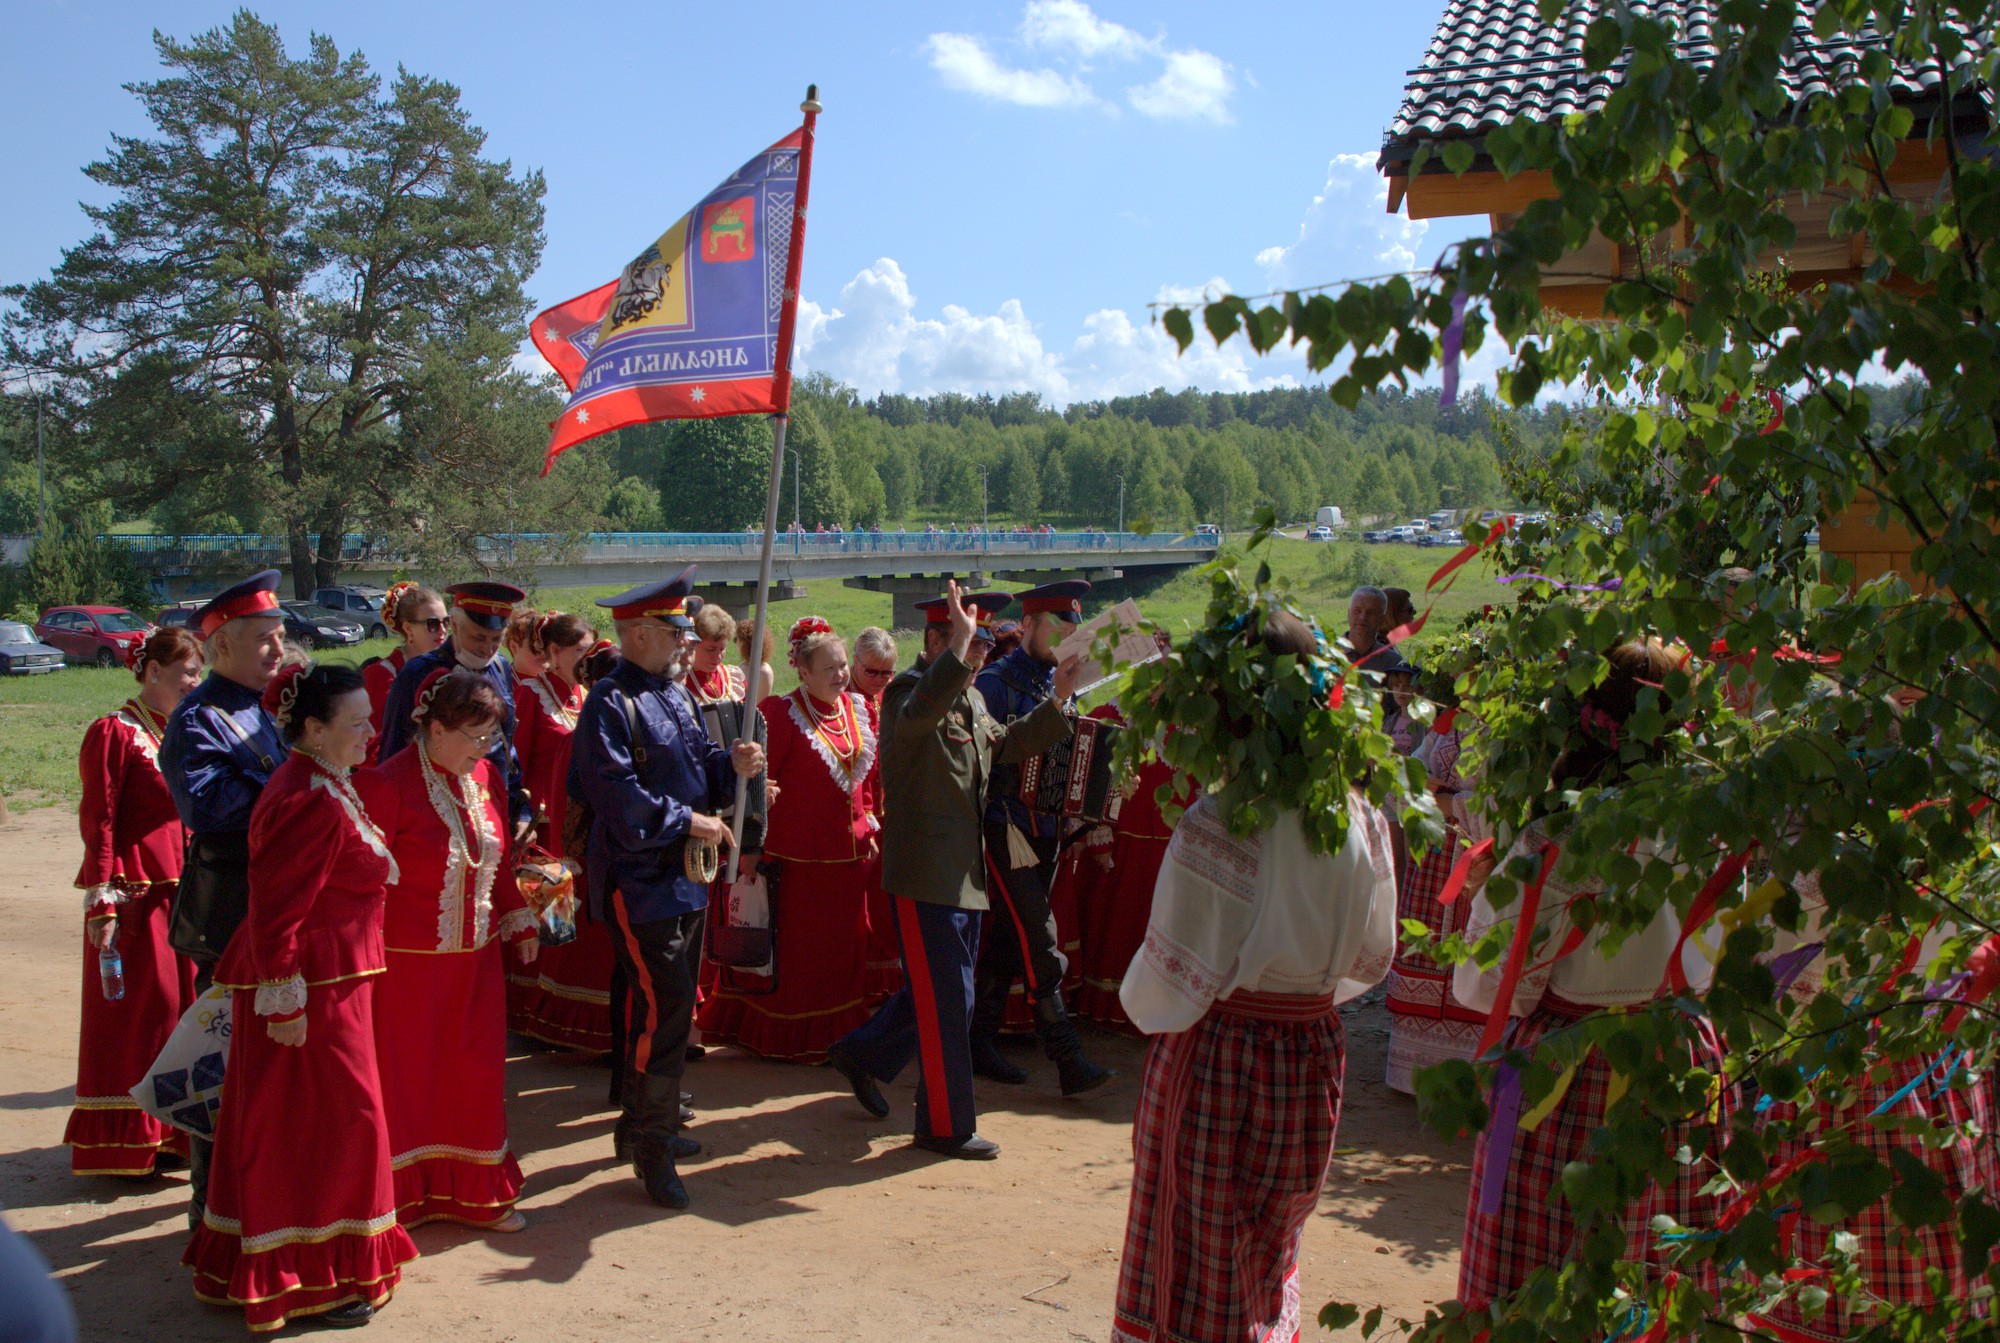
(337,848)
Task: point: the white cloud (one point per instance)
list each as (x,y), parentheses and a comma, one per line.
(1347,231)
(1192,85)
(1070,25)
(1195,86)
(964,63)
(874,340)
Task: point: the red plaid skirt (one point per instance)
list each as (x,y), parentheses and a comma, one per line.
(1426,1024)
(1230,1148)
(1532,1228)
(1893,1259)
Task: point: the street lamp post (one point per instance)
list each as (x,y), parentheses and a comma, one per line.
(41,476)
(1121,512)
(985,534)
(798,532)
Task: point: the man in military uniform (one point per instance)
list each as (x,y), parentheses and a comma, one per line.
(939,746)
(655,785)
(479,615)
(216,753)
(1021,846)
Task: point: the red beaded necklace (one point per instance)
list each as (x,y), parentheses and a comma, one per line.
(838,728)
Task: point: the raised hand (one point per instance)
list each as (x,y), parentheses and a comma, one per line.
(963,621)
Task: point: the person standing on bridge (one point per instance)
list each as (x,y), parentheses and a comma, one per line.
(479,615)
(940,747)
(1021,846)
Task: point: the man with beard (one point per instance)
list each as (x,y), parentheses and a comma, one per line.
(479,615)
(656,786)
(1021,845)
(217,753)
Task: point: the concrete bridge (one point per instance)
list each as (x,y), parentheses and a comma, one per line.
(908,565)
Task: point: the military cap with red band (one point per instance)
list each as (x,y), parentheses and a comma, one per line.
(983,605)
(486,603)
(665,601)
(256,595)
(1064,598)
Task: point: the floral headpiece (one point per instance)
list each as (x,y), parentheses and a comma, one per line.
(425,693)
(803,630)
(392,598)
(283,693)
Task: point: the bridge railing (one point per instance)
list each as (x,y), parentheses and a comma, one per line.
(974,542)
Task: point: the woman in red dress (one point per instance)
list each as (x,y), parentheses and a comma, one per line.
(132,842)
(566,998)
(441,1017)
(874,668)
(1113,870)
(821,840)
(301,1216)
(416,616)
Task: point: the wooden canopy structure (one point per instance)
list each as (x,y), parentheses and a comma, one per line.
(1494,62)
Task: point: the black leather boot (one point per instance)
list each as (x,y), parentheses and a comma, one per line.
(1065,1048)
(654,1165)
(989,1009)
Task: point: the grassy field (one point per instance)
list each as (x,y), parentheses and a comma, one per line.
(42,718)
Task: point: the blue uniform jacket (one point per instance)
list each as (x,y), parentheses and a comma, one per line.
(1013,688)
(640,814)
(397,729)
(214,774)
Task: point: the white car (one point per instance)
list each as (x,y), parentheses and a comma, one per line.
(1320,534)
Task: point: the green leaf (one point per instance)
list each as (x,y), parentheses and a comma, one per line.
(1457,155)
(1918,1199)
(1221,318)
(1180,326)
(1338,1315)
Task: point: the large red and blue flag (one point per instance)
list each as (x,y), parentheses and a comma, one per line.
(699,323)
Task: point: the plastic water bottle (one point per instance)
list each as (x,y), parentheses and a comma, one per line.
(111,973)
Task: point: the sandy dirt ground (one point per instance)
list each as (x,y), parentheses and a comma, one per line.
(810,1220)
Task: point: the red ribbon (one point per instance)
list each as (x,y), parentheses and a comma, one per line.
(1700,912)
(1517,952)
(1985,967)
(1455,883)
(1658,1333)
(1909,961)
(1443,722)
(1745,1201)
(1445,574)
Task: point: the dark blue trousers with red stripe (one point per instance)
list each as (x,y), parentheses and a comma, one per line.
(929,1018)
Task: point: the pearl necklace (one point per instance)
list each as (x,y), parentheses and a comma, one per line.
(474,849)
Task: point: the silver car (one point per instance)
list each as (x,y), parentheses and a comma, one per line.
(21,655)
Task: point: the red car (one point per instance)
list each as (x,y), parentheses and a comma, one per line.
(107,636)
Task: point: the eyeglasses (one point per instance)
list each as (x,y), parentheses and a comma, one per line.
(482,740)
(874,671)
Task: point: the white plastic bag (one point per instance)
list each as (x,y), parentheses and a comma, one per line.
(184,1085)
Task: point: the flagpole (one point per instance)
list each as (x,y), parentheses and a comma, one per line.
(781,386)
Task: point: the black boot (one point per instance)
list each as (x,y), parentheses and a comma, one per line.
(989,1009)
(1065,1049)
(654,1165)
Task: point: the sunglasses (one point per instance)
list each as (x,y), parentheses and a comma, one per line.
(874,671)
(435,624)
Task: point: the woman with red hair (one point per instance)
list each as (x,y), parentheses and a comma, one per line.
(132,843)
(441,1021)
(415,615)
(301,1214)
(820,845)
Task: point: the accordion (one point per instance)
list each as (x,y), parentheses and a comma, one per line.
(1072,779)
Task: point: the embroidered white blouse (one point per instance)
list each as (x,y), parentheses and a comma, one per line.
(1264,914)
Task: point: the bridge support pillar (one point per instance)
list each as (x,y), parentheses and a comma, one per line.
(906,590)
(740,599)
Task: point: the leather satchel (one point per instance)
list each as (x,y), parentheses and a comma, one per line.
(213,896)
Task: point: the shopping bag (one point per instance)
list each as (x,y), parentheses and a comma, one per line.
(184,1086)
(742,938)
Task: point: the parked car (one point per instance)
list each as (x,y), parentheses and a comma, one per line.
(106,636)
(22,655)
(1320,534)
(1376,537)
(357,603)
(180,613)
(316,627)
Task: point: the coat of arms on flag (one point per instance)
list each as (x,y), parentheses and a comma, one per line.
(693,324)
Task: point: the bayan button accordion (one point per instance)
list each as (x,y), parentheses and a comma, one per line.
(1073,779)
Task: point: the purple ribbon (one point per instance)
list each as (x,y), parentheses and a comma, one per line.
(1505,1103)
(1786,967)
(1608,585)
(1454,344)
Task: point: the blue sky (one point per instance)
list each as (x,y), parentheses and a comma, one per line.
(1000,189)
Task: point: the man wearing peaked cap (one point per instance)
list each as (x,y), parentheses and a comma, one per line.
(1021,849)
(479,615)
(656,785)
(939,747)
(217,753)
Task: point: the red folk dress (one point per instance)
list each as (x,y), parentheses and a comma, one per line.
(301,1212)
(885,946)
(1427,1026)
(564,998)
(378,676)
(440,1019)
(821,829)
(1114,905)
(132,842)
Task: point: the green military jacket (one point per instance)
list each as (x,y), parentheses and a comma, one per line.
(938,746)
